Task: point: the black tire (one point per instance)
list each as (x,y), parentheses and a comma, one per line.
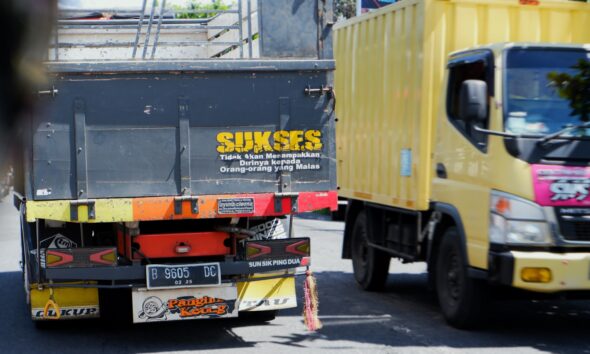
(371,266)
(462,299)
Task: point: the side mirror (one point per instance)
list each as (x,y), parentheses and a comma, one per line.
(473,101)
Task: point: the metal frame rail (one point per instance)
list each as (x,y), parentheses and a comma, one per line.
(144,26)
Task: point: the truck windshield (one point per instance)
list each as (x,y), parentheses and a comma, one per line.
(536,95)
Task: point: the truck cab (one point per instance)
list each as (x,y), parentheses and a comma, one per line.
(517,173)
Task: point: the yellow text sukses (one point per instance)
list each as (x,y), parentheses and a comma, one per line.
(269,141)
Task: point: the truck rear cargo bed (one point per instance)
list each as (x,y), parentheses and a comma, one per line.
(137,129)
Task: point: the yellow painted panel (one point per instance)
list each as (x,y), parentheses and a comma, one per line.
(52,210)
(373,87)
(73,302)
(390,68)
(270,294)
(107,210)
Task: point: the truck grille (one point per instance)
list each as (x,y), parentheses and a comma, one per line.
(574,223)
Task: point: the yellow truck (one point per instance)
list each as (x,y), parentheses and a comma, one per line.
(461,142)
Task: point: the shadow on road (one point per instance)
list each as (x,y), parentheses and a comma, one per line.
(19,335)
(404,315)
(407,314)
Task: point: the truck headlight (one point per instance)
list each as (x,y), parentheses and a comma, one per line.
(515,221)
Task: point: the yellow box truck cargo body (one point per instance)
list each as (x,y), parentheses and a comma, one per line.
(457,147)
(390,68)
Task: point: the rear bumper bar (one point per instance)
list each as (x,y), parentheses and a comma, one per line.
(137,273)
(179,207)
(260,257)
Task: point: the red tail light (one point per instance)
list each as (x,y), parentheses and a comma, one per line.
(255,250)
(55,258)
(81,257)
(106,257)
(300,248)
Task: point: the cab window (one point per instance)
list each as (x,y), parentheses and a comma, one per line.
(475,68)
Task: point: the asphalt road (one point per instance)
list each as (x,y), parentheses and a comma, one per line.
(404,318)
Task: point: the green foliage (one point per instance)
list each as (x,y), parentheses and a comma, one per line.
(195,6)
(575,88)
(345,8)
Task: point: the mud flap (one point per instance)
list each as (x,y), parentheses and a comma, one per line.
(184,304)
(72,303)
(264,295)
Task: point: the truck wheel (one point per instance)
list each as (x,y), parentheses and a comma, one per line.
(371,266)
(462,299)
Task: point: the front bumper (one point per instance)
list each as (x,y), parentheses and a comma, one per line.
(569,271)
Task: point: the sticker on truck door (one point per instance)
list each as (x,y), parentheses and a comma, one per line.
(561,185)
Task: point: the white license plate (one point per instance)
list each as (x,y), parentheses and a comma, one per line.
(184,304)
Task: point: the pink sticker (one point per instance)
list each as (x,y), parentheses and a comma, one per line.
(561,185)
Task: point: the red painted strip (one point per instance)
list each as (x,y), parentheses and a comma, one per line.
(200,243)
(162,208)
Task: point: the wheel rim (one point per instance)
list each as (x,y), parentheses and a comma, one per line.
(451,281)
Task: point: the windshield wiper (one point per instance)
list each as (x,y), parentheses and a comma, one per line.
(507,135)
(558,133)
(542,139)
